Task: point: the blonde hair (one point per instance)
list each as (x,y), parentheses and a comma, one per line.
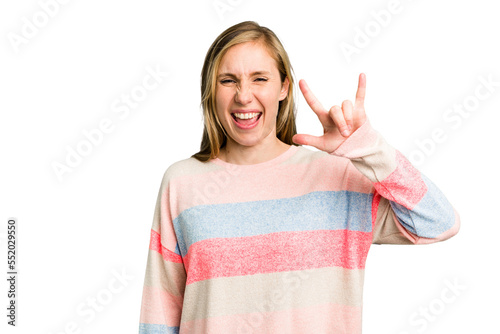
(214,136)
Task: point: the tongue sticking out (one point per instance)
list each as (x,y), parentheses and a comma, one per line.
(247,121)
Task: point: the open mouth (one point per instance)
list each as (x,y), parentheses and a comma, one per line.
(246,119)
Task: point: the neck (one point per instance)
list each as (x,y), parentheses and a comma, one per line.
(248,155)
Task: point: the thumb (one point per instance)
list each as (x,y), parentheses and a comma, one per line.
(303,139)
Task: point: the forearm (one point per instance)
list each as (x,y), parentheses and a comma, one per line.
(415,202)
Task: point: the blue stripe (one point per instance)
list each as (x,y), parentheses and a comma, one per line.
(321,210)
(432,216)
(157,329)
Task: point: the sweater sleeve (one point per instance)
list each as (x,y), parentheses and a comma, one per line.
(165,277)
(407,208)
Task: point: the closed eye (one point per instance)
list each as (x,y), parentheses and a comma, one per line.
(226,81)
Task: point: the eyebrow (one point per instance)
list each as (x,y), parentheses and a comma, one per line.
(251,74)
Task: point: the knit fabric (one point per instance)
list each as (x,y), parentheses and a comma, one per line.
(280,246)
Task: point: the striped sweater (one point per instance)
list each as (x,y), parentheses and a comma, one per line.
(280,246)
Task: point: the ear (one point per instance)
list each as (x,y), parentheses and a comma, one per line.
(284,89)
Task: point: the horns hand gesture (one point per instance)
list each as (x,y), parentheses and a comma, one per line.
(338,122)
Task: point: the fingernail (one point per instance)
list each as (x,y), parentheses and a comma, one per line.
(345,133)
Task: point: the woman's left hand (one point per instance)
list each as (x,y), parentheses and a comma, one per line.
(338,123)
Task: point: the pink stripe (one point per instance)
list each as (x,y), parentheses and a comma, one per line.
(274,252)
(160,307)
(155,244)
(404,185)
(226,186)
(375,204)
(324,318)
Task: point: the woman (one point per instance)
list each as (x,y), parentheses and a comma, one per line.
(258,234)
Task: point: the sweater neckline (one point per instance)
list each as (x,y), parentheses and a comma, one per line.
(269,163)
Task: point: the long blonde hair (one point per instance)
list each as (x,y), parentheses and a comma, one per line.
(214,136)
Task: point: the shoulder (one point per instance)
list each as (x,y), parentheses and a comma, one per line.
(186,167)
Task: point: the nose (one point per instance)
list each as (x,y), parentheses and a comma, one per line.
(243,93)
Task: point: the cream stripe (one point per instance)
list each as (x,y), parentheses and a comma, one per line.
(369,153)
(386,229)
(170,276)
(272,292)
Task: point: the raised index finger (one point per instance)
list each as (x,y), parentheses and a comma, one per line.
(360,94)
(312,101)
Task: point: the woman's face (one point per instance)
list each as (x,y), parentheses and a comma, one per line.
(249,82)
